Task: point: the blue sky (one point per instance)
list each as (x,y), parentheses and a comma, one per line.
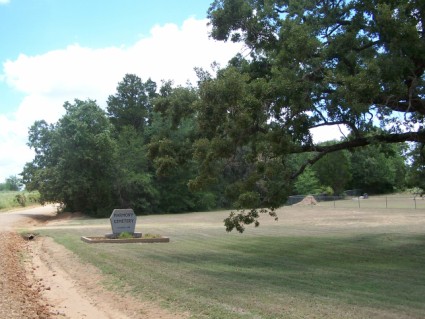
(34,27)
(58,50)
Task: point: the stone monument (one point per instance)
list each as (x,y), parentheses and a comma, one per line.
(123,220)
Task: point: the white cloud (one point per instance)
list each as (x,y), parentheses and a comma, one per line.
(14,152)
(4,2)
(48,80)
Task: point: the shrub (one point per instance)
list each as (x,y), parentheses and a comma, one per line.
(21,199)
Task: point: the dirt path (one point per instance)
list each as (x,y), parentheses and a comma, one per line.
(20,297)
(52,282)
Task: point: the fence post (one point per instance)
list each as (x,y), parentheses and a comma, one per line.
(359,201)
(386,201)
(414,198)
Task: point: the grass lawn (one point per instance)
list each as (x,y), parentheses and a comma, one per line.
(312,263)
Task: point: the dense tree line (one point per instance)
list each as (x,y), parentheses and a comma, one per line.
(374,169)
(151,158)
(242,137)
(137,153)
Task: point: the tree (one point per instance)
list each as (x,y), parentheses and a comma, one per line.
(378,169)
(13,183)
(307,183)
(130,110)
(134,174)
(416,168)
(354,63)
(74,161)
(132,104)
(171,136)
(334,170)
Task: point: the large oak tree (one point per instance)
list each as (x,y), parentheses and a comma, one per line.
(308,64)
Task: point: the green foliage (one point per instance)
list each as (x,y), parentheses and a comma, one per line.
(14,199)
(239,220)
(356,64)
(378,169)
(21,200)
(327,190)
(334,171)
(307,183)
(132,103)
(170,153)
(75,160)
(125,235)
(139,157)
(176,104)
(7,200)
(134,180)
(12,183)
(242,139)
(416,169)
(374,169)
(170,150)
(234,150)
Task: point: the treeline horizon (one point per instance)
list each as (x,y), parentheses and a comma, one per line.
(147,150)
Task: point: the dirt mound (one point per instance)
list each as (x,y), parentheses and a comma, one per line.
(307,201)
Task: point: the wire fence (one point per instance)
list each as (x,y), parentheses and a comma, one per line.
(400,202)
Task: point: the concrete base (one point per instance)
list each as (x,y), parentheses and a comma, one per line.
(94,240)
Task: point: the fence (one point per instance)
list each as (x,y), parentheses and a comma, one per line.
(400,202)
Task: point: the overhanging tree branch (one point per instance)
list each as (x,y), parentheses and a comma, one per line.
(418,137)
(322,150)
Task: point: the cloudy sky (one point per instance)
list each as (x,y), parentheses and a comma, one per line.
(58,50)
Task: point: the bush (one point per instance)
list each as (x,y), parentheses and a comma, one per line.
(125,235)
(21,199)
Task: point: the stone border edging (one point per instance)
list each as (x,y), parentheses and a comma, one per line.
(95,240)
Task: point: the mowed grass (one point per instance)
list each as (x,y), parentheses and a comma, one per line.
(312,263)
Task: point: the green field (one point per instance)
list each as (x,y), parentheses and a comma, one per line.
(13,199)
(313,263)
(7,200)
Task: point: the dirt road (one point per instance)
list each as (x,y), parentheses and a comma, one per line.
(20,294)
(41,279)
